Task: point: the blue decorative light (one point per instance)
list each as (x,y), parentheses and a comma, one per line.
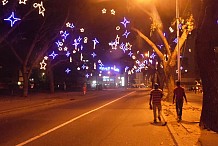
(152,56)
(12,19)
(68,54)
(84,66)
(126,34)
(59,43)
(75,43)
(130,54)
(95,42)
(93,55)
(53,55)
(67,70)
(125,22)
(87,75)
(64,35)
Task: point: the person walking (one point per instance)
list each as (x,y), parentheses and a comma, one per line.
(179,96)
(156,95)
(84,89)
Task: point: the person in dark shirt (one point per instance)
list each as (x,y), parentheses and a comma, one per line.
(156,95)
(179,96)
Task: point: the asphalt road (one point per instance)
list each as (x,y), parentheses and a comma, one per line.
(112,118)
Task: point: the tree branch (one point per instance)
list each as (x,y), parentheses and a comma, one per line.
(159,53)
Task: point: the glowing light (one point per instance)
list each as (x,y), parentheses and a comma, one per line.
(4,2)
(53,55)
(85,40)
(104,11)
(126,68)
(22,1)
(87,75)
(118,28)
(126,34)
(68,54)
(83,66)
(117,40)
(128,46)
(95,42)
(113,12)
(64,35)
(59,43)
(67,70)
(171,29)
(125,22)
(93,55)
(75,43)
(130,54)
(82,29)
(12,19)
(43,64)
(41,8)
(70,25)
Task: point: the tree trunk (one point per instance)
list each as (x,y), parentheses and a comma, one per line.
(208,64)
(169,70)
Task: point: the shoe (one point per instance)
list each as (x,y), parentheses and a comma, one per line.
(159,119)
(155,121)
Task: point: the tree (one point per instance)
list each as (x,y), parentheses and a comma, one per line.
(169,62)
(34,41)
(206,43)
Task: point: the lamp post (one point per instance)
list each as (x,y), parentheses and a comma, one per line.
(177,36)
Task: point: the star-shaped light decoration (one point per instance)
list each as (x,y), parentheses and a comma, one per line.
(152,56)
(22,2)
(83,66)
(68,54)
(67,70)
(4,2)
(126,68)
(130,54)
(94,55)
(59,43)
(12,19)
(126,34)
(113,45)
(95,42)
(76,43)
(65,34)
(41,8)
(53,55)
(160,46)
(82,29)
(43,64)
(128,46)
(125,22)
(117,40)
(87,75)
(175,40)
(104,11)
(113,12)
(70,25)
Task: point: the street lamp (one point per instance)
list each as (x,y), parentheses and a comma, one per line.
(177,36)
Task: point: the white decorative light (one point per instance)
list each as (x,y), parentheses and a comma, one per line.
(41,8)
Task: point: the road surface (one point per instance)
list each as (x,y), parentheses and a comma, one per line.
(107,118)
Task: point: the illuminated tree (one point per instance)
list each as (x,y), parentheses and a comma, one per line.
(168,56)
(207,42)
(30,34)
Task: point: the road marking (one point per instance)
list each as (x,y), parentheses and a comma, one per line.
(68,122)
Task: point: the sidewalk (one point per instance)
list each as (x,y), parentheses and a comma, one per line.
(185,133)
